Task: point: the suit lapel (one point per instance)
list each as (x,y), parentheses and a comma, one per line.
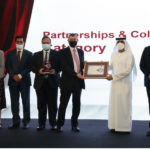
(23,57)
(81,59)
(51,55)
(70,57)
(15,57)
(41,59)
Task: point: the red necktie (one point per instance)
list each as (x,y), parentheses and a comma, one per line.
(19,55)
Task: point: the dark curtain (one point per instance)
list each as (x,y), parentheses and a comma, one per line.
(14,20)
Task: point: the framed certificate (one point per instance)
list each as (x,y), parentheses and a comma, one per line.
(96,70)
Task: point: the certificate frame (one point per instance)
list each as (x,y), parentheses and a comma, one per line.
(99,69)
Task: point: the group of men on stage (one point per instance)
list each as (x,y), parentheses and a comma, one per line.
(70,62)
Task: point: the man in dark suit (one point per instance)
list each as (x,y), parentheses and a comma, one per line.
(145,68)
(71,82)
(18,67)
(46,83)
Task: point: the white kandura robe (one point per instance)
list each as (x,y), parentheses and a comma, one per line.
(120,104)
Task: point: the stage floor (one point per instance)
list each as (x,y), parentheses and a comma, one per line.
(94,134)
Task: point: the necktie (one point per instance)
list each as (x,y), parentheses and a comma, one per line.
(46,56)
(76,59)
(19,55)
(46,62)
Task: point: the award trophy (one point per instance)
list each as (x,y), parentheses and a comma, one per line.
(47,67)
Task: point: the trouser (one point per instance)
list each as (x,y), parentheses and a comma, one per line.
(64,99)
(15,92)
(47,99)
(148,94)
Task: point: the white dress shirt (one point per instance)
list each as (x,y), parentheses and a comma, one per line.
(44,54)
(21,52)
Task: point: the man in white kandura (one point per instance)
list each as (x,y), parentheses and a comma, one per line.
(122,66)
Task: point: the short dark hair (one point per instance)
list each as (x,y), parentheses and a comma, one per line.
(18,37)
(72,34)
(44,37)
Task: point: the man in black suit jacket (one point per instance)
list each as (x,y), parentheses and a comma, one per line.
(18,67)
(46,85)
(145,68)
(71,82)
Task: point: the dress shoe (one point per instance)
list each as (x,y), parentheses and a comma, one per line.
(75,129)
(59,129)
(40,128)
(14,126)
(25,126)
(148,133)
(112,130)
(53,128)
(122,132)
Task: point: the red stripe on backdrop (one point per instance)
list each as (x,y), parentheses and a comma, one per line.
(22,10)
(22,20)
(6,19)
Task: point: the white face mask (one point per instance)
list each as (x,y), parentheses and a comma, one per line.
(120,46)
(46,46)
(20,47)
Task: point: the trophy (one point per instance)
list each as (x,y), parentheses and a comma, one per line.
(47,67)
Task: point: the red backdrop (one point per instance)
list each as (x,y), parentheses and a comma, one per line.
(14,20)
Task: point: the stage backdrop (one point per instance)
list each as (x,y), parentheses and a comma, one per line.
(98,23)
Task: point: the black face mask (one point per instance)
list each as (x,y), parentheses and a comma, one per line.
(72,43)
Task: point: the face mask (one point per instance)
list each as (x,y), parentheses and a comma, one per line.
(20,47)
(46,46)
(120,46)
(72,43)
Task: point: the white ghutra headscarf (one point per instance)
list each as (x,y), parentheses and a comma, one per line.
(127,48)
